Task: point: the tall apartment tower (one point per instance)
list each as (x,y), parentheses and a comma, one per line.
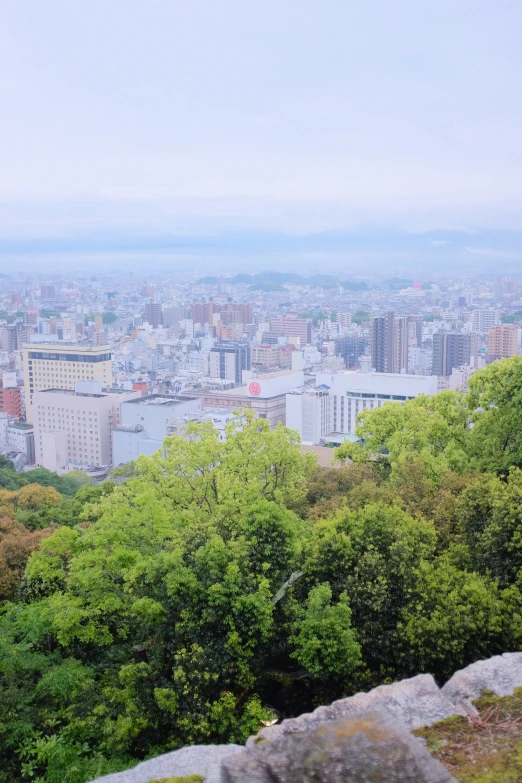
(452,349)
(153,314)
(401,344)
(60,366)
(382,342)
(228,360)
(503,341)
(483,320)
(12,336)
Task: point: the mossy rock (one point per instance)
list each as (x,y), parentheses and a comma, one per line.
(184,779)
(485,749)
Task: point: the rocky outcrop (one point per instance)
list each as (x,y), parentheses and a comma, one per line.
(500,674)
(415,702)
(371,747)
(204,760)
(344,736)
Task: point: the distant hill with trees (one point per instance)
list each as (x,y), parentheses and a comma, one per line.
(265,281)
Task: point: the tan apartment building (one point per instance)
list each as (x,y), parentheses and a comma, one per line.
(293,327)
(503,341)
(72,427)
(61,365)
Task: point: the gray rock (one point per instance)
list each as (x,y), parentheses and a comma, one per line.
(204,760)
(500,674)
(372,748)
(415,702)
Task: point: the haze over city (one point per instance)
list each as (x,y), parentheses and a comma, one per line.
(333,133)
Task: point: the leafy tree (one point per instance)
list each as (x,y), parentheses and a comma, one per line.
(324,640)
(16,544)
(489,515)
(511,318)
(371,555)
(434,428)
(184,562)
(495,405)
(67,484)
(455,617)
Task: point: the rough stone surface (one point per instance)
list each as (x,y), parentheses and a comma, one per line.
(415,702)
(500,674)
(204,760)
(371,748)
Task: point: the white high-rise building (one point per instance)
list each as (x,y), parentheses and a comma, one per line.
(308,411)
(482,320)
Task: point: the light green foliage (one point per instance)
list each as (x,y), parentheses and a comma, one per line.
(184,558)
(223,577)
(371,555)
(324,640)
(452,617)
(434,428)
(495,404)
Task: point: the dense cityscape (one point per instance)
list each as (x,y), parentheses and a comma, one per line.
(99,369)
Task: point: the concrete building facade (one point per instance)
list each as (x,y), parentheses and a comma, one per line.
(453,349)
(60,366)
(228,359)
(308,410)
(348,395)
(503,341)
(144,424)
(73,426)
(293,327)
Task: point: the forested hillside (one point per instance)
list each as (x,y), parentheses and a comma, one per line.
(224,583)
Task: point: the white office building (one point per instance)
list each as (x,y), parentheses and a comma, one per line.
(308,410)
(338,398)
(482,320)
(144,424)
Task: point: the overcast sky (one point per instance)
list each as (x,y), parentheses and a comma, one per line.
(192,115)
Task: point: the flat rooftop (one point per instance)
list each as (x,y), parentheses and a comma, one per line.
(161,399)
(275,374)
(66,345)
(74,393)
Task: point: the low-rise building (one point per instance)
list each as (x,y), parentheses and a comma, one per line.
(265,393)
(145,421)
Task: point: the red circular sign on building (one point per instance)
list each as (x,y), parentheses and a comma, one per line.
(254,388)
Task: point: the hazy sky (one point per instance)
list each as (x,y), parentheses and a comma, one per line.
(192,115)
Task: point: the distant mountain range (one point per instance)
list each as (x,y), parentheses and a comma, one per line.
(340,255)
(274,281)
